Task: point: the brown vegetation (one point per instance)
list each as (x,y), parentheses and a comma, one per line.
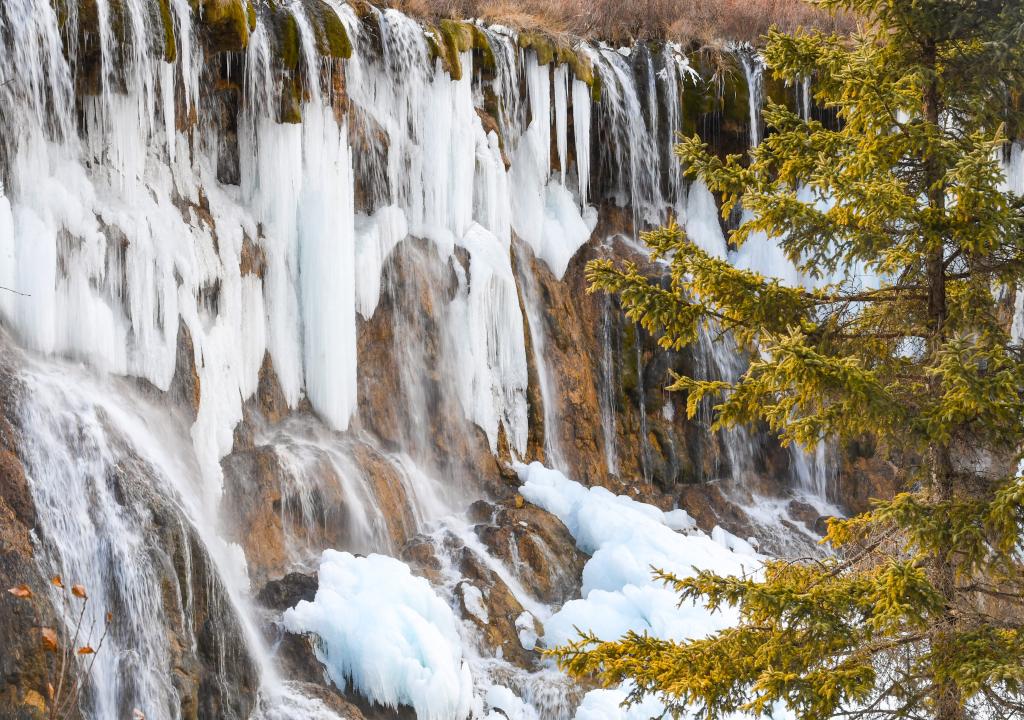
(705,21)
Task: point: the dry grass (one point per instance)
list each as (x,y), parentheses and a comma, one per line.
(704,21)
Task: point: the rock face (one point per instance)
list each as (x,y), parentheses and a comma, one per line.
(210,666)
(537,547)
(24,666)
(868,475)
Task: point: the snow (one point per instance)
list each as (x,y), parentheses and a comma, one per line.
(526,630)
(389,633)
(606,704)
(508,704)
(473,599)
(625,539)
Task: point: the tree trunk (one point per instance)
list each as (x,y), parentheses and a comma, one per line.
(947,696)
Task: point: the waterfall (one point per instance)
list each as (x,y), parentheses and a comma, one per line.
(258,300)
(753,69)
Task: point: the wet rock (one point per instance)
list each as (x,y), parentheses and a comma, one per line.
(270,399)
(807,514)
(572,352)
(252,507)
(278,519)
(24,666)
(537,547)
(486,601)
(421,556)
(287,591)
(224,23)
(710,504)
(186,387)
(406,397)
(389,493)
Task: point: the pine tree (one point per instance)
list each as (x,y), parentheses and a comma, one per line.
(919,612)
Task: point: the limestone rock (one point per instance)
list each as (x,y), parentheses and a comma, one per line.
(537,547)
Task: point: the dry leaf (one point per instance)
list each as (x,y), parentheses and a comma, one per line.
(85,650)
(110,616)
(57,581)
(137,715)
(78,591)
(50,639)
(20,591)
(50,690)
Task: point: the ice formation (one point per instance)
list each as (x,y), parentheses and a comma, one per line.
(388,632)
(625,539)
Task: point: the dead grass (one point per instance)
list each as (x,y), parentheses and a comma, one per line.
(709,22)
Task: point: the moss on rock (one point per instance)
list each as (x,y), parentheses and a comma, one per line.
(288,41)
(332,38)
(541,44)
(457,37)
(779,92)
(291,103)
(170,45)
(483,47)
(578,62)
(438,50)
(225,22)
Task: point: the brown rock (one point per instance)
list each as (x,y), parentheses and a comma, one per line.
(866,474)
(538,548)
(269,397)
(499,632)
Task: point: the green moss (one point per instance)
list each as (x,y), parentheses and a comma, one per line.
(226,23)
(541,44)
(170,46)
(331,36)
(699,99)
(580,64)
(457,37)
(289,41)
(438,50)
(595,89)
(60,9)
(483,46)
(735,100)
(250,13)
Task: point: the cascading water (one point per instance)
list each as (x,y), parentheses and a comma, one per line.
(305,261)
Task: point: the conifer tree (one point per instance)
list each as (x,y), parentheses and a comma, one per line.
(919,612)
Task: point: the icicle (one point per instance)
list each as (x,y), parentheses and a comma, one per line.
(581,136)
(561,116)
(327,268)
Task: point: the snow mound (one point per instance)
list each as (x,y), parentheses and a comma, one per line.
(389,633)
(625,540)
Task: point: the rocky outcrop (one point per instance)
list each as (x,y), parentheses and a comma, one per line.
(867,474)
(25,668)
(535,546)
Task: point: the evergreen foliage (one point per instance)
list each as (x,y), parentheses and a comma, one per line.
(919,612)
